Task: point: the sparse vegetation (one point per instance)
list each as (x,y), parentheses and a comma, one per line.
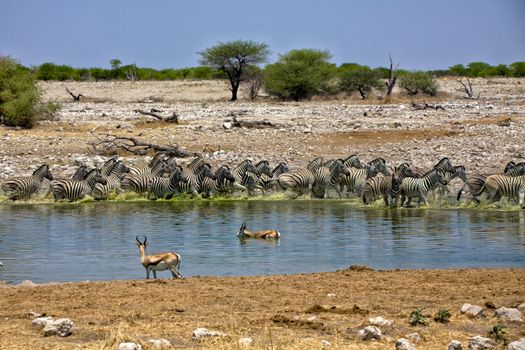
(498,333)
(418,82)
(354,77)
(417,317)
(442,316)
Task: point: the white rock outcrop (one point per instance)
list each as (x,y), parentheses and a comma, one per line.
(517,345)
(474,311)
(509,314)
(481,343)
(404,344)
(380,321)
(454,345)
(129,346)
(200,333)
(160,343)
(370,333)
(60,327)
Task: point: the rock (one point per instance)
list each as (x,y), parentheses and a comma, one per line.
(247,341)
(330,295)
(159,343)
(307,130)
(369,333)
(200,333)
(42,321)
(325,343)
(61,327)
(480,343)
(414,337)
(404,344)
(129,346)
(454,345)
(509,314)
(379,321)
(227,125)
(517,345)
(521,307)
(473,311)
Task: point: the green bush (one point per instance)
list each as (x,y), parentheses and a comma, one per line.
(20,97)
(416,317)
(354,77)
(518,69)
(299,74)
(418,82)
(442,316)
(498,334)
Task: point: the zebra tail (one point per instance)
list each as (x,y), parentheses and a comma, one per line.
(461,191)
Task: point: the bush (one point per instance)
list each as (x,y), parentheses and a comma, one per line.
(418,82)
(498,334)
(354,78)
(299,74)
(20,97)
(442,316)
(416,317)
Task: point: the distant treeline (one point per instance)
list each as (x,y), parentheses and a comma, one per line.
(51,71)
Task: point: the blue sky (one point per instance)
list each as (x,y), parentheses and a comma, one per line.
(419,34)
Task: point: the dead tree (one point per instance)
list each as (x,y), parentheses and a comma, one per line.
(112,144)
(467,88)
(75,97)
(173,118)
(392,77)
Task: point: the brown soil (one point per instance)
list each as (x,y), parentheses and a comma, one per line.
(278,312)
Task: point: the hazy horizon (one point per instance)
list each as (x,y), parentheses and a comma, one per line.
(422,34)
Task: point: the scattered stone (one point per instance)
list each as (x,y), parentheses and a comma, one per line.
(61,327)
(379,321)
(227,125)
(307,130)
(129,346)
(490,305)
(454,345)
(480,343)
(473,311)
(42,321)
(200,333)
(414,337)
(404,344)
(369,333)
(325,343)
(247,341)
(517,345)
(330,295)
(521,307)
(160,343)
(509,314)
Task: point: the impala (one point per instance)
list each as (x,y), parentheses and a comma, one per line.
(265,234)
(158,262)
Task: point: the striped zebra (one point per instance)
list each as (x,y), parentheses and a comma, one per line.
(419,187)
(444,165)
(353,162)
(166,187)
(141,183)
(194,179)
(146,169)
(355,181)
(268,183)
(250,180)
(458,171)
(113,181)
(239,173)
(221,184)
(475,182)
(24,187)
(108,165)
(387,187)
(328,178)
(300,181)
(315,163)
(498,186)
(80,173)
(74,190)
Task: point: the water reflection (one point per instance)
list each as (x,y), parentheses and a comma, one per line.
(96,241)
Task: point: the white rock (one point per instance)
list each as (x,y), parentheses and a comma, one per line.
(454,345)
(473,311)
(379,321)
(369,333)
(200,333)
(159,343)
(404,344)
(521,307)
(61,327)
(42,321)
(330,295)
(325,343)
(227,125)
(414,337)
(509,314)
(480,343)
(517,345)
(129,346)
(247,341)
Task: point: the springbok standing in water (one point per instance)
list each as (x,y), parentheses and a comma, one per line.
(158,262)
(264,234)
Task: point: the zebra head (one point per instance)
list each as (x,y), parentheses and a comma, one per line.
(315,164)
(444,164)
(509,166)
(353,162)
(459,171)
(337,168)
(263,167)
(281,168)
(380,165)
(43,172)
(405,170)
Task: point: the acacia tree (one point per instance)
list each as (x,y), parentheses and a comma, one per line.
(233,58)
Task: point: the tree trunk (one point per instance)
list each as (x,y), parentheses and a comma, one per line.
(235,88)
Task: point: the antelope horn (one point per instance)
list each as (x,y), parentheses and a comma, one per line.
(137,238)
(145,239)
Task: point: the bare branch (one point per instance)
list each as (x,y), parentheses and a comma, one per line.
(75,97)
(391,77)
(173,118)
(467,89)
(112,144)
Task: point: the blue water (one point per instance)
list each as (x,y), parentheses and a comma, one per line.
(96,241)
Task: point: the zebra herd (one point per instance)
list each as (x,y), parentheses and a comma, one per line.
(350,177)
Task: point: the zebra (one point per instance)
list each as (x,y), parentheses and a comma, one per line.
(458,171)
(328,177)
(141,183)
(498,186)
(353,162)
(166,187)
(356,179)
(386,186)
(419,187)
(239,173)
(106,168)
(113,181)
(74,190)
(143,170)
(268,182)
(80,173)
(315,163)
(25,186)
(221,184)
(444,165)
(300,181)
(194,179)
(250,180)
(475,182)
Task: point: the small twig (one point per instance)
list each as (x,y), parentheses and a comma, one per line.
(75,97)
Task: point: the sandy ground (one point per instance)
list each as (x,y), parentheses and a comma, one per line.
(278,312)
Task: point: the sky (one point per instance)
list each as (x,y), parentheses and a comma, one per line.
(418,34)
